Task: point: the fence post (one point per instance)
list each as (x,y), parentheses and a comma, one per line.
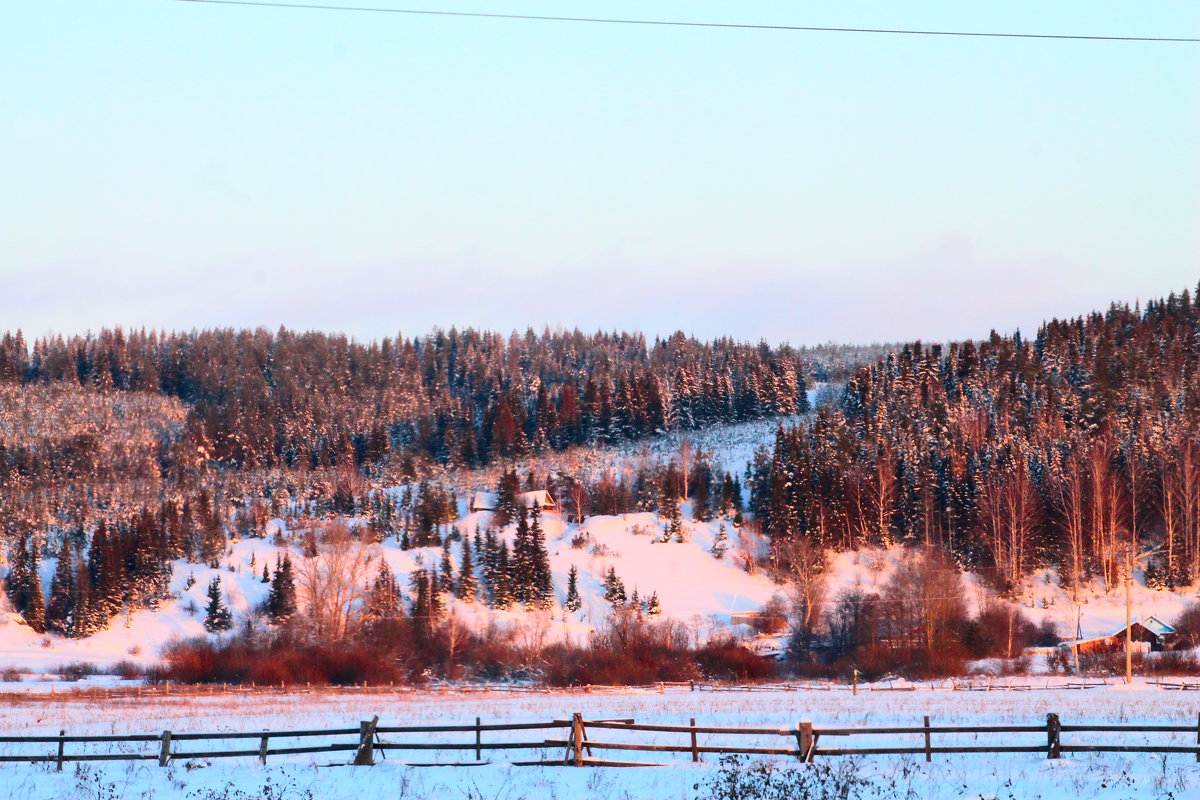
(804,733)
(262,750)
(365,757)
(577,738)
(478,742)
(1053,729)
(928,751)
(695,752)
(61,734)
(1198,737)
(856,683)
(164,752)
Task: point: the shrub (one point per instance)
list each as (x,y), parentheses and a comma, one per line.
(76,670)
(127,670)
(740,779)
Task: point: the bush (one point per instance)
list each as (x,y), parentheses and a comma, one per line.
(127,670)
(1171,662)
(740,779)
(77,670)
(632,650)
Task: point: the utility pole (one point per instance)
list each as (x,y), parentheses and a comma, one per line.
(1128,621)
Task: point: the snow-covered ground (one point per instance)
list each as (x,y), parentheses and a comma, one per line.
(1104,776)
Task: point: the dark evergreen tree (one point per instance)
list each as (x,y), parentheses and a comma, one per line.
(281,599)
(540,592)
(720,544)
(573,601)
(217,617)
(653,606)
(446,580)
(60,610)
(467,584)
(383,601)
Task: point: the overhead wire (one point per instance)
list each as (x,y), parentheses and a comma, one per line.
(689,24)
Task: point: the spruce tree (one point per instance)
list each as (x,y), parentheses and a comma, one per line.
(281,600)
(16,583)
(720,543)
(614,588)
(488,565)
(60,611)
(35,606)
(467,585)
(446,583)
(541,589)
(422,607)
(502,594)
(522,566)
(217,617)
(573,601)
(653,607)
(266,578)
(383,601)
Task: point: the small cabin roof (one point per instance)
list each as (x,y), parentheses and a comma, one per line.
(538,497)
(483,501)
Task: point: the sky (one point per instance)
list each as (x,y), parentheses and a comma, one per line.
(174,165)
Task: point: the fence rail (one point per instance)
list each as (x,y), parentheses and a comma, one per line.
(803,742)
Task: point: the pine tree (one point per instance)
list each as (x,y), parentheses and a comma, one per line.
(217,617)
(383,601)
(541,590)
(35,606)
(467,585)
(446,583)
(720,543)
(573,601)
(16,583)
(614,588)
(653,607)
(60,611)
(488,565)
(522,567)
(502,594)
(266,578)
(422,608)
(281,600)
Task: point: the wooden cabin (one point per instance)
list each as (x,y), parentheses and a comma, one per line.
(488,501)
(1150,634)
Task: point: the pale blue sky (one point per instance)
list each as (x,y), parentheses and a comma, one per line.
(174,165)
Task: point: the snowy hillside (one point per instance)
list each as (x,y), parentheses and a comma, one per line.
(692,586)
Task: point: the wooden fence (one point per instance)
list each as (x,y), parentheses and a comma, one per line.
(578,747)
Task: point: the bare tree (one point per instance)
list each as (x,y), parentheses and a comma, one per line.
(801,567)
(333,583)
(1069,493)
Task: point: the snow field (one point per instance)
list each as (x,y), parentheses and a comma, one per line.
(949,776)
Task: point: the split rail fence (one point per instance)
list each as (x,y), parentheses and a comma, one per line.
(577,746)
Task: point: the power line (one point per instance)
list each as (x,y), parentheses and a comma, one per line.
(685,24)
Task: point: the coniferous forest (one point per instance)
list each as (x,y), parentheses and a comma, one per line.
(1077,448)
(1074,448)
(123,451)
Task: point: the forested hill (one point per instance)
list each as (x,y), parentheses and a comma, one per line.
(462,398)
(1012,453)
